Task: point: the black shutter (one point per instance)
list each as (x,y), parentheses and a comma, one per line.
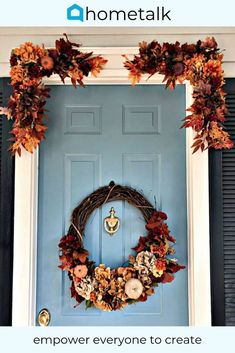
(222,223)
(6,213)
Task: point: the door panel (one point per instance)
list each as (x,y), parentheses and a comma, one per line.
(98,134)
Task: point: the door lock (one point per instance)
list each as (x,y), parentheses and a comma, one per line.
(44,317)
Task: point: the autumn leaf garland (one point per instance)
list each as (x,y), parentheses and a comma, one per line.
(201,65)
(29,64)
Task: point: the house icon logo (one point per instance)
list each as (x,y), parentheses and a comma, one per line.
(75,13)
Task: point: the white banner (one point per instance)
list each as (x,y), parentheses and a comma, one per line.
(118,339)
(143,13)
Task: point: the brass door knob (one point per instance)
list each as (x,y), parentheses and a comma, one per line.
(44,317)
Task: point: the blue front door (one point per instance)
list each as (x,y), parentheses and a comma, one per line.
(95,135)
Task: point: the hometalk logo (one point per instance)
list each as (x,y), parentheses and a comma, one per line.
(78,13)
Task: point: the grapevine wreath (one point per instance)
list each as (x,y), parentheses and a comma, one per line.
(112,289)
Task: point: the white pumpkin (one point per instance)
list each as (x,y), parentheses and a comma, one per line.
(133,288)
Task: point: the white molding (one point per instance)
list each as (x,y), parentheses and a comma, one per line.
(108,74)
(25,239)
(26,191)
(198,230)
(114,69)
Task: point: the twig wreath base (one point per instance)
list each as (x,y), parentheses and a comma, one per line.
(113,289)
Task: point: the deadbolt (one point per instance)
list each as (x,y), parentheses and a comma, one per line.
(44,317)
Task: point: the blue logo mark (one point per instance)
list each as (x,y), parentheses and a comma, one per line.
(75,13)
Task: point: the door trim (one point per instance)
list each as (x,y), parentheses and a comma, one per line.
(26,204)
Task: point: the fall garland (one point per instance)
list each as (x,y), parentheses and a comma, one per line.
(112,289)
(29,64)
(201,65)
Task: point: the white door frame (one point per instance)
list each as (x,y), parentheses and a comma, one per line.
(26,204)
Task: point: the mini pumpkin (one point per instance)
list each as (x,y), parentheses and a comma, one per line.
(80,271)
(133,288)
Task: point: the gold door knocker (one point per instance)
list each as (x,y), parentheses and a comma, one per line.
(111,223)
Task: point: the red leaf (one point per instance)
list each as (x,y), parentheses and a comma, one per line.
(141,244)
(65,264)
(170,238)
(143,298)
(196,149)
(175,267)
(167,278)
(82,255)
(152,225)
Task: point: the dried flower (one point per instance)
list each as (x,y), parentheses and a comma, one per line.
(145,259)
(102,305)
(209,43)
(158,249)
(102,272)
(27,52)
(178,68)
(17,74)
(160,264)
(204,88)
(144,277)
(85,287)
(47,62)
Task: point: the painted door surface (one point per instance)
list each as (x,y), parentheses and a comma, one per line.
(95,135)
